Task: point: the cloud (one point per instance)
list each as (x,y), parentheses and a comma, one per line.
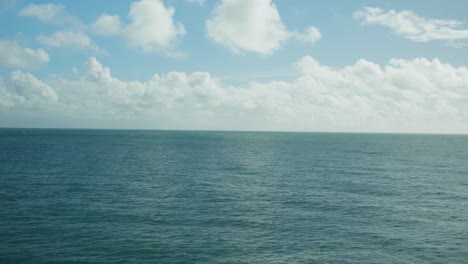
(107,25)
(67,39)
(417,95)
(240,25)
(49,13)
(13,55)
(412,26)
(26,90)
(44,12)
(96,72)
(75,37)
(253,26)
(310,35)
(151,29)
(152,26)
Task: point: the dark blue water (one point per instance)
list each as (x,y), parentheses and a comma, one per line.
(84,196)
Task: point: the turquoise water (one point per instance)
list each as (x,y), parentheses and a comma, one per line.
(90,196)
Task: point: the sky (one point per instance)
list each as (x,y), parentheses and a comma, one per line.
(269,65)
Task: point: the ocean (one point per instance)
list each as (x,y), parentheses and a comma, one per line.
(118,196)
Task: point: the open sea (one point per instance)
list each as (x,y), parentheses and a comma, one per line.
(116,196)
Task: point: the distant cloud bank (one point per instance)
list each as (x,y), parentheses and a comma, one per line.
(412,95)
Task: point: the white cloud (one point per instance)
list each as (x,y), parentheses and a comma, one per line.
(310,35)
(49,13)
(413,26)
(253,26)
(417,95)
(151,28)
(107,25)
(13,55)
(67,39)
(44,12)
(96,72)
(74,37)
(26,90)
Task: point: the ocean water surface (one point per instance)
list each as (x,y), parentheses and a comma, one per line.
(105,196)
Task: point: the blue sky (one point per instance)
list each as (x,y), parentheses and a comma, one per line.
(241,45)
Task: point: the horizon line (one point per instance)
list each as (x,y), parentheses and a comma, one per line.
(235,130)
